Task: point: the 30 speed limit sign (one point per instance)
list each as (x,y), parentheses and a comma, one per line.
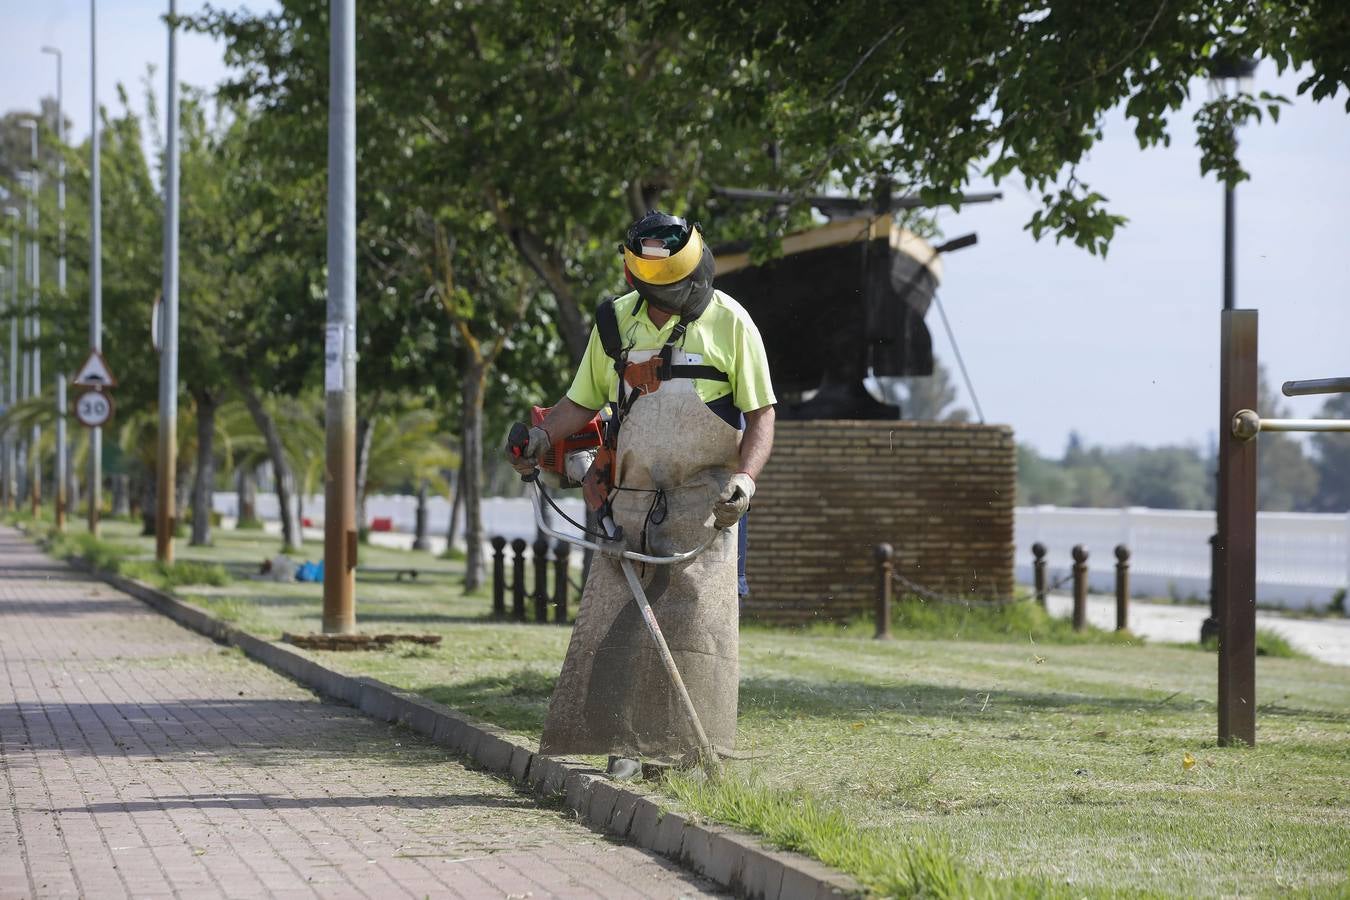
(93,408)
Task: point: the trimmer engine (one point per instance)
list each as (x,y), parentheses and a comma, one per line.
(570,457)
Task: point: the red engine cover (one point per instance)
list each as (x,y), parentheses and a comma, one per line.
(591,435)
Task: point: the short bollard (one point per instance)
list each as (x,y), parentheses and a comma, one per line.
(421,541)
(562,552)
(499,577)
(885,558)
(518,580)
(1122,587)
(1209,629)
(1038,570)
(541,580)
(1080,581)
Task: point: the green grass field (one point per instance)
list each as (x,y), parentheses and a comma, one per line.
(1020,759)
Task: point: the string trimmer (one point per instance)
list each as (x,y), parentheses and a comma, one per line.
(580,446)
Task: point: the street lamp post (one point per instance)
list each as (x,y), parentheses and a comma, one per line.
(1234,558)
(167,458)
(95,269)
(62,476)
(34,329)
(11,454)
(339,525)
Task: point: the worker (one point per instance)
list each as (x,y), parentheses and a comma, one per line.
(693,435)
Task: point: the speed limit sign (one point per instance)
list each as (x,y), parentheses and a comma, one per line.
(94,408)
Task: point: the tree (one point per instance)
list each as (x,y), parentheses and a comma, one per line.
(1285,478)
(927,96)
(1333,459)
(932,397)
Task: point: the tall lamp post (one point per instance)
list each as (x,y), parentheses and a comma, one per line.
(62,478)
(12,380)
(339,520)
(34,329)
(95,269)
(1234,557)
(167,458)
(1229,76)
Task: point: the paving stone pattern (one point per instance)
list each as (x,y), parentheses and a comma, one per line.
(140,759)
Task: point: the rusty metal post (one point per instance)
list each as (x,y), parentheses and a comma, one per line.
(518,580)
(885,559)
(1080,587)
(540,580)
(1122,587)
(1235,590)
(167,458)
(498,577)
(562,552)
(339,520)
(1038,570)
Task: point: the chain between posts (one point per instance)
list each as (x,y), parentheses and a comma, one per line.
(929,595)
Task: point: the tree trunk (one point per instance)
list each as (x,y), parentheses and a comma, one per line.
(246,484)
(149,490)
(281,466)
(549,268)
(205,479)
(420,539)
(456,506)
(366,435)
(475,375)
(121,495)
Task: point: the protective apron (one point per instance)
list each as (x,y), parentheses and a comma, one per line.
(613,695)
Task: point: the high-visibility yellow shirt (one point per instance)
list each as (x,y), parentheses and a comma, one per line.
(723,337)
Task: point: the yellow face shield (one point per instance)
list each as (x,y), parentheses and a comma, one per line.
(669,269)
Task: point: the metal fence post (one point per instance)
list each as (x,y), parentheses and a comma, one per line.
(1080,585)
(1122,587)
(1209,628)
(540,580)
(562,552)
(885,558)
(1038,570)
(518,580)
(499,577)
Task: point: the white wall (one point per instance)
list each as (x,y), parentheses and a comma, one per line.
(1302,559)
(511,517)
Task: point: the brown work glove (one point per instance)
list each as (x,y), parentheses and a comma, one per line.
(734,500)
(528,461)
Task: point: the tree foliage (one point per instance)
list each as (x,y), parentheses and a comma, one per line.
(929,96)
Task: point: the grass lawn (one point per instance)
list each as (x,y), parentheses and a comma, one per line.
(1014,760)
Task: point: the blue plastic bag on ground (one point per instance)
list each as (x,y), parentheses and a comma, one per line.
(310,571)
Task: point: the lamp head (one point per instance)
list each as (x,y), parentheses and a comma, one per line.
(1231,72)
(53,50)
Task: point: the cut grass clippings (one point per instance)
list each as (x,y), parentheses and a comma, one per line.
(979,753)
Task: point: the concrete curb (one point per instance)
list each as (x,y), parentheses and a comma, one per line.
(733,859)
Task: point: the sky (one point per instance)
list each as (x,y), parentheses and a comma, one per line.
(1122,349)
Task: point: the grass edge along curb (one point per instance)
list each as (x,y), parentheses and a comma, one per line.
(733,859)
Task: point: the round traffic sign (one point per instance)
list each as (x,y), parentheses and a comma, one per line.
(93,408)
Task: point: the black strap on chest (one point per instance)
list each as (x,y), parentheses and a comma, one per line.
(607,324)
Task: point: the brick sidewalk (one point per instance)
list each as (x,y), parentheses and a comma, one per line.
(139,759)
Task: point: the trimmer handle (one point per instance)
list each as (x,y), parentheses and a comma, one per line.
(517,442)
